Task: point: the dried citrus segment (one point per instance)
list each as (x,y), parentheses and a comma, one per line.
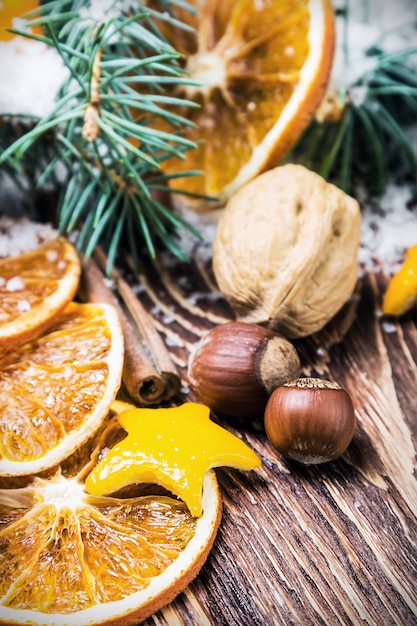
(263,67)
(56,390)
(34,288)
(75,559)
(12,14)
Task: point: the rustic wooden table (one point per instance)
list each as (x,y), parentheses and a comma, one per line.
(330,544)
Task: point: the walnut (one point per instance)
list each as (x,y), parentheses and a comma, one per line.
(285,253)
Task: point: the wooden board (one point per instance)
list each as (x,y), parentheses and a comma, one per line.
(330,544)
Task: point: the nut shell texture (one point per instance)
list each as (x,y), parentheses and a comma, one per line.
(286,250)
(236,365)
(310,420)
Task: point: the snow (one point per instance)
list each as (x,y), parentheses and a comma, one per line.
(30,75)
(386,24)
(20,235)
(388,230)
(104,10)
(15,284)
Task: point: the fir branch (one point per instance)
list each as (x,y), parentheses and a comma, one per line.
(362,127)
(103,128)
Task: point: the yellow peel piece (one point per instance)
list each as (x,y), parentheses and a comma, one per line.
(401,293)
(173,448)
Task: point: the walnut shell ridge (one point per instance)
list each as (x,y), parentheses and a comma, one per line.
(285,252)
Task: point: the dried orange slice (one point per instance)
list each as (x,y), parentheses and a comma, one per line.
(75,559)
(34,287)
(56,390)
(263,67)
(12,12)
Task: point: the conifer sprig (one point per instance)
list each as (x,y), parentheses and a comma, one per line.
(103,129)
(366,128)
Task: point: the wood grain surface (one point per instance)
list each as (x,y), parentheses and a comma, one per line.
(330,544)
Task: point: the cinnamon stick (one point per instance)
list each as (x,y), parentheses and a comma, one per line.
(159,355)
(145,381)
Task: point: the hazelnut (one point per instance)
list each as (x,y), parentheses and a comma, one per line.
(235,367)
(310,420)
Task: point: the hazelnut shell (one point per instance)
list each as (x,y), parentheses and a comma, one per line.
(235,367)
(310,420)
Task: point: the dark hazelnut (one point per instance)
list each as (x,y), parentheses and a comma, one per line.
(310,420)
(235,367)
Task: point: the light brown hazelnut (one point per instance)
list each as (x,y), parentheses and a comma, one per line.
(310,420)
(285,253)
(235,367)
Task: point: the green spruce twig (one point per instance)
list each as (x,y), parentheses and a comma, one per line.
(364,131)
(103,127)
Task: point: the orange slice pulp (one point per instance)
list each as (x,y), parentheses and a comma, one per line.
(56,390)
(35,287)
(71,558)
(262,68)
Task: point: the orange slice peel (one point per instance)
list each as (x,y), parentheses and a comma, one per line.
(34,288)
(171,447)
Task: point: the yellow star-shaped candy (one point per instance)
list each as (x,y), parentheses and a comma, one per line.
(173,448)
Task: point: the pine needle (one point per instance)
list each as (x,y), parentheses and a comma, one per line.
(102,129)
(369,130)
